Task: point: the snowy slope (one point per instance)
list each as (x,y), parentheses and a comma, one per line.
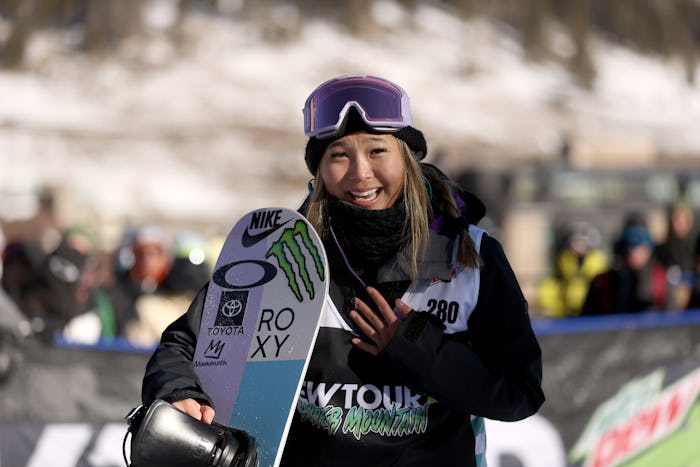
(200,134)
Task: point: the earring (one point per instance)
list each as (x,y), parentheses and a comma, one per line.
(310,185)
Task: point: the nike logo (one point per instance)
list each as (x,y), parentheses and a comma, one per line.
(249,240)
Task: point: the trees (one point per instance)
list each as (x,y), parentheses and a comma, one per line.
(665,27)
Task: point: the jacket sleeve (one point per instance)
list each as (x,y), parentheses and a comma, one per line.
(169,372)
(493,370)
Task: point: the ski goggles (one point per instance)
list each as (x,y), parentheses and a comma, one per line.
(382,104)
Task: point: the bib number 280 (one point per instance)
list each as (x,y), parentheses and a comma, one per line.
(445,311)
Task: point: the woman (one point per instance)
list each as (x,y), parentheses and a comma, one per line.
(426,329)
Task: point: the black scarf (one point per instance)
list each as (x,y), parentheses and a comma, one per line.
(368,237)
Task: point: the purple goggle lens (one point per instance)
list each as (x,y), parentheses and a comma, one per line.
(382,104)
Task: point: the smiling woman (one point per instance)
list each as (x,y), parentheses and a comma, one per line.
(424,331)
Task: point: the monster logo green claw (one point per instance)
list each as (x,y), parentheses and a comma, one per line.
(288,241)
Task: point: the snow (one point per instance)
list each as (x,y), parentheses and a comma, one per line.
(201,134)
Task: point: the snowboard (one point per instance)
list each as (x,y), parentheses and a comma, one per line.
(259,324)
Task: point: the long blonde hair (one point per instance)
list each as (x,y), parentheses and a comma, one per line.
(419,210)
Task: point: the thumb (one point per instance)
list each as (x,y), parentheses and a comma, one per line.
(402,309)
(207,414)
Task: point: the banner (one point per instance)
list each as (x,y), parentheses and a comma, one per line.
(62,444)
(623,389)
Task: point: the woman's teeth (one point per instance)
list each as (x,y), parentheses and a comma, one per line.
(364,194)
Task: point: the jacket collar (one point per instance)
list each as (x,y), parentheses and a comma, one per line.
(439,261)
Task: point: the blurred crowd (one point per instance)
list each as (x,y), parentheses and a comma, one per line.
(636,273)
(60,283)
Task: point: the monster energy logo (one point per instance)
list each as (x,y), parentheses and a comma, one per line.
(244,274)
(288,242)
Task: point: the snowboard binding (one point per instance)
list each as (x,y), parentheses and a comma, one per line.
(162,435)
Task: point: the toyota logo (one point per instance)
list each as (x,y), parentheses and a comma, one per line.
(232,308)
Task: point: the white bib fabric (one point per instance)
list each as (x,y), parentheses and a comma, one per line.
(451,301)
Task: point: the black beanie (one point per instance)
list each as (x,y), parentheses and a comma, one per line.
(315,147)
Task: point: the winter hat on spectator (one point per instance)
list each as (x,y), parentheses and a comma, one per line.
(634,235)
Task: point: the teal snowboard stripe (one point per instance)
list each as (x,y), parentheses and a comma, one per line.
(257,403)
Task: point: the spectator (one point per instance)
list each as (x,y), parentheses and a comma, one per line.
(160,282)
(191,263)
(636,282)
(576,264)
(52,289)
(21,263)
(14,327)
(676,252)
(694,296)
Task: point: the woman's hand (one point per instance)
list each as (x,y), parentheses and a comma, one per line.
(194,409)
(379,328)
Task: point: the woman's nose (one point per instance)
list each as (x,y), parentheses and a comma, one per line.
(361,167)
